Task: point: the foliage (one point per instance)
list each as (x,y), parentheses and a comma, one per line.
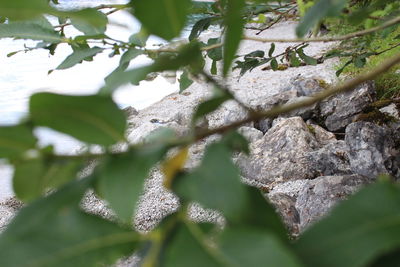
(52,230)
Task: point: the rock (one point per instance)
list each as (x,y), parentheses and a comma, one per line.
(251,134)
(305,86)
(281,154)
(305,112)
(339,111)
(372,150)
(285,206)
(227,113)
(130,111)
(318,196)
(332,159)
(391,110)
(323,136)
(263,125)
(8,209)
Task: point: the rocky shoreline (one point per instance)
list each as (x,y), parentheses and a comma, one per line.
(305,162)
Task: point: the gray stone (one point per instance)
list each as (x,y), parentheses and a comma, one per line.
(305,112)
(263,125)
(340,110)
(332,159)
(281,154)
(323,136)
(8,209)
(251,134)
(285,206)
(391,110)
(304,86)
(372,150)
(130,111)
(318,196)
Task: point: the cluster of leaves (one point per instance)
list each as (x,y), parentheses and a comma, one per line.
(362,15)
(52,229)
(291,57)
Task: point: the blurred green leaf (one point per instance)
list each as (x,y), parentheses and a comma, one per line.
(357,231)
(23,9)
(140,38)
(252,248)
(188,238)
(164,18)
(188,55)
(234,23)
(54,232)
(32,177)
(184,81)
(93,119)
(89,21)
(121,179)
(78,56)
(319,11)
(214,69)
(29,30)
(210,105)
(215,183)
(15,140)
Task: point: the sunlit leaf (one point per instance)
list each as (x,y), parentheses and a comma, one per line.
(29,30)
(89,21)
(184,81)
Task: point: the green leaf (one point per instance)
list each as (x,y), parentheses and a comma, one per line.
(164,18)
(210,105)
(129,55)
(214,69)
(184,81)
(188,55)
(252,248)
(122,176)
(78,56)
(188,248)
(359,62)
(319,11)
(294,60)
(200,26)
(307,59)
(93,119)
(271,50)
(89,21)
(215,183)
(234,23)
(15,140)
(22,10)
(140,38)
(33,177)
(339,71)
(27,180)
(29,30)
(274,64)
(216,53)
(357,231)
(54,232)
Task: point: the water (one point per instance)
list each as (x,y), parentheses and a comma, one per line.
(26,73)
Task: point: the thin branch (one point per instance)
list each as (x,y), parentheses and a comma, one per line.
(346,86)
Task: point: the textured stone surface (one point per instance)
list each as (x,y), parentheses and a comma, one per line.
(332,159)
(372,149)
(251,134)
(8,209)
(391,110)
(281,154)
(318,196)
(340,110)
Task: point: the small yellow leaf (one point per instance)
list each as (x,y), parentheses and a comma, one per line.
(173,165)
